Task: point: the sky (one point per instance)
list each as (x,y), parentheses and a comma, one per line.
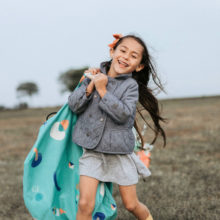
(41,39)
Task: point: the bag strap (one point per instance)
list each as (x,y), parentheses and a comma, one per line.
(52,113)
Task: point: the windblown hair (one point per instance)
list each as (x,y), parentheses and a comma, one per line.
(146,97)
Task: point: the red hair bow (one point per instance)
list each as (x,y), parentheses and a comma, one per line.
(117,38)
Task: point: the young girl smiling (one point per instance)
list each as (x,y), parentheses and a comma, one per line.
(106,107)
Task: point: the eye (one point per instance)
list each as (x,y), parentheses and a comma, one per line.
(123,51)
(134,57)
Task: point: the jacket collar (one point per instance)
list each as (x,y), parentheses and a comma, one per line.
(122,76)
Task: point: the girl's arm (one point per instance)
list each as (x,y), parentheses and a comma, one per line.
(90,88)
(122,109)
(80,97)
(118,109)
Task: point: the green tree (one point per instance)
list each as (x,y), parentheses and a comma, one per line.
(70,78)
(27,89)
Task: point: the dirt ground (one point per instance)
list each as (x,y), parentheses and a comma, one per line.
(185,180)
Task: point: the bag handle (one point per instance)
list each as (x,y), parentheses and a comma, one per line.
(52,113)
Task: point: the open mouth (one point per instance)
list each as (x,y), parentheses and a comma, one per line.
(121,63)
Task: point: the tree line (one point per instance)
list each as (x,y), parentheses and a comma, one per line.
(68,79)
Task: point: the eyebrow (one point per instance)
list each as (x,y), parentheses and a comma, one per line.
(132,51)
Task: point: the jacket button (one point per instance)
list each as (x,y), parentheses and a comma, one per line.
(101,119)
(95,96)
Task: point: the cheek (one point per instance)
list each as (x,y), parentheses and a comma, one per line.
(138,62)
(115,61)
(135,63)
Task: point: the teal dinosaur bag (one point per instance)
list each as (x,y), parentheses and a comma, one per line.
(51,174)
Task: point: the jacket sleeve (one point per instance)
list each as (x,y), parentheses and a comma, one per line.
(121,109)
(78,100)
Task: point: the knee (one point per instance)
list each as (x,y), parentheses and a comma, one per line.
(131,206)
(86,206)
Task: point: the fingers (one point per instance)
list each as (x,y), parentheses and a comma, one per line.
(89,75)
(93,71)
(100,77)
(95,74)
(93,77)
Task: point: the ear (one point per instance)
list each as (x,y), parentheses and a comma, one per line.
(111,52)
(139,67)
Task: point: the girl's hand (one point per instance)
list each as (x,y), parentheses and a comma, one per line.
(91,85)
(100,82)
(93,71)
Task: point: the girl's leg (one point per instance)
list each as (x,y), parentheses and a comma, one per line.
(87,188)
(132,204)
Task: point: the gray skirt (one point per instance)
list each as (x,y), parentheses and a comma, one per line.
(123,169)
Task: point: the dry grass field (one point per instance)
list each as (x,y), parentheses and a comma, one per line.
(185,180)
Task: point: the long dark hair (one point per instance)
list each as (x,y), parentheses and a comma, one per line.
(146,97)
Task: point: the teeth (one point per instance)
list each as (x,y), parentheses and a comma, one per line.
(125,64)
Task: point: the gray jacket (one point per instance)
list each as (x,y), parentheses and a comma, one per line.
(105,124)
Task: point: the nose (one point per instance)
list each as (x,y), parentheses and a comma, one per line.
(125,56)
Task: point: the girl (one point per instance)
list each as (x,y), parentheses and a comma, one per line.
(106,108)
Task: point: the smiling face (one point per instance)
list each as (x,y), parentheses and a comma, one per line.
(126,58)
